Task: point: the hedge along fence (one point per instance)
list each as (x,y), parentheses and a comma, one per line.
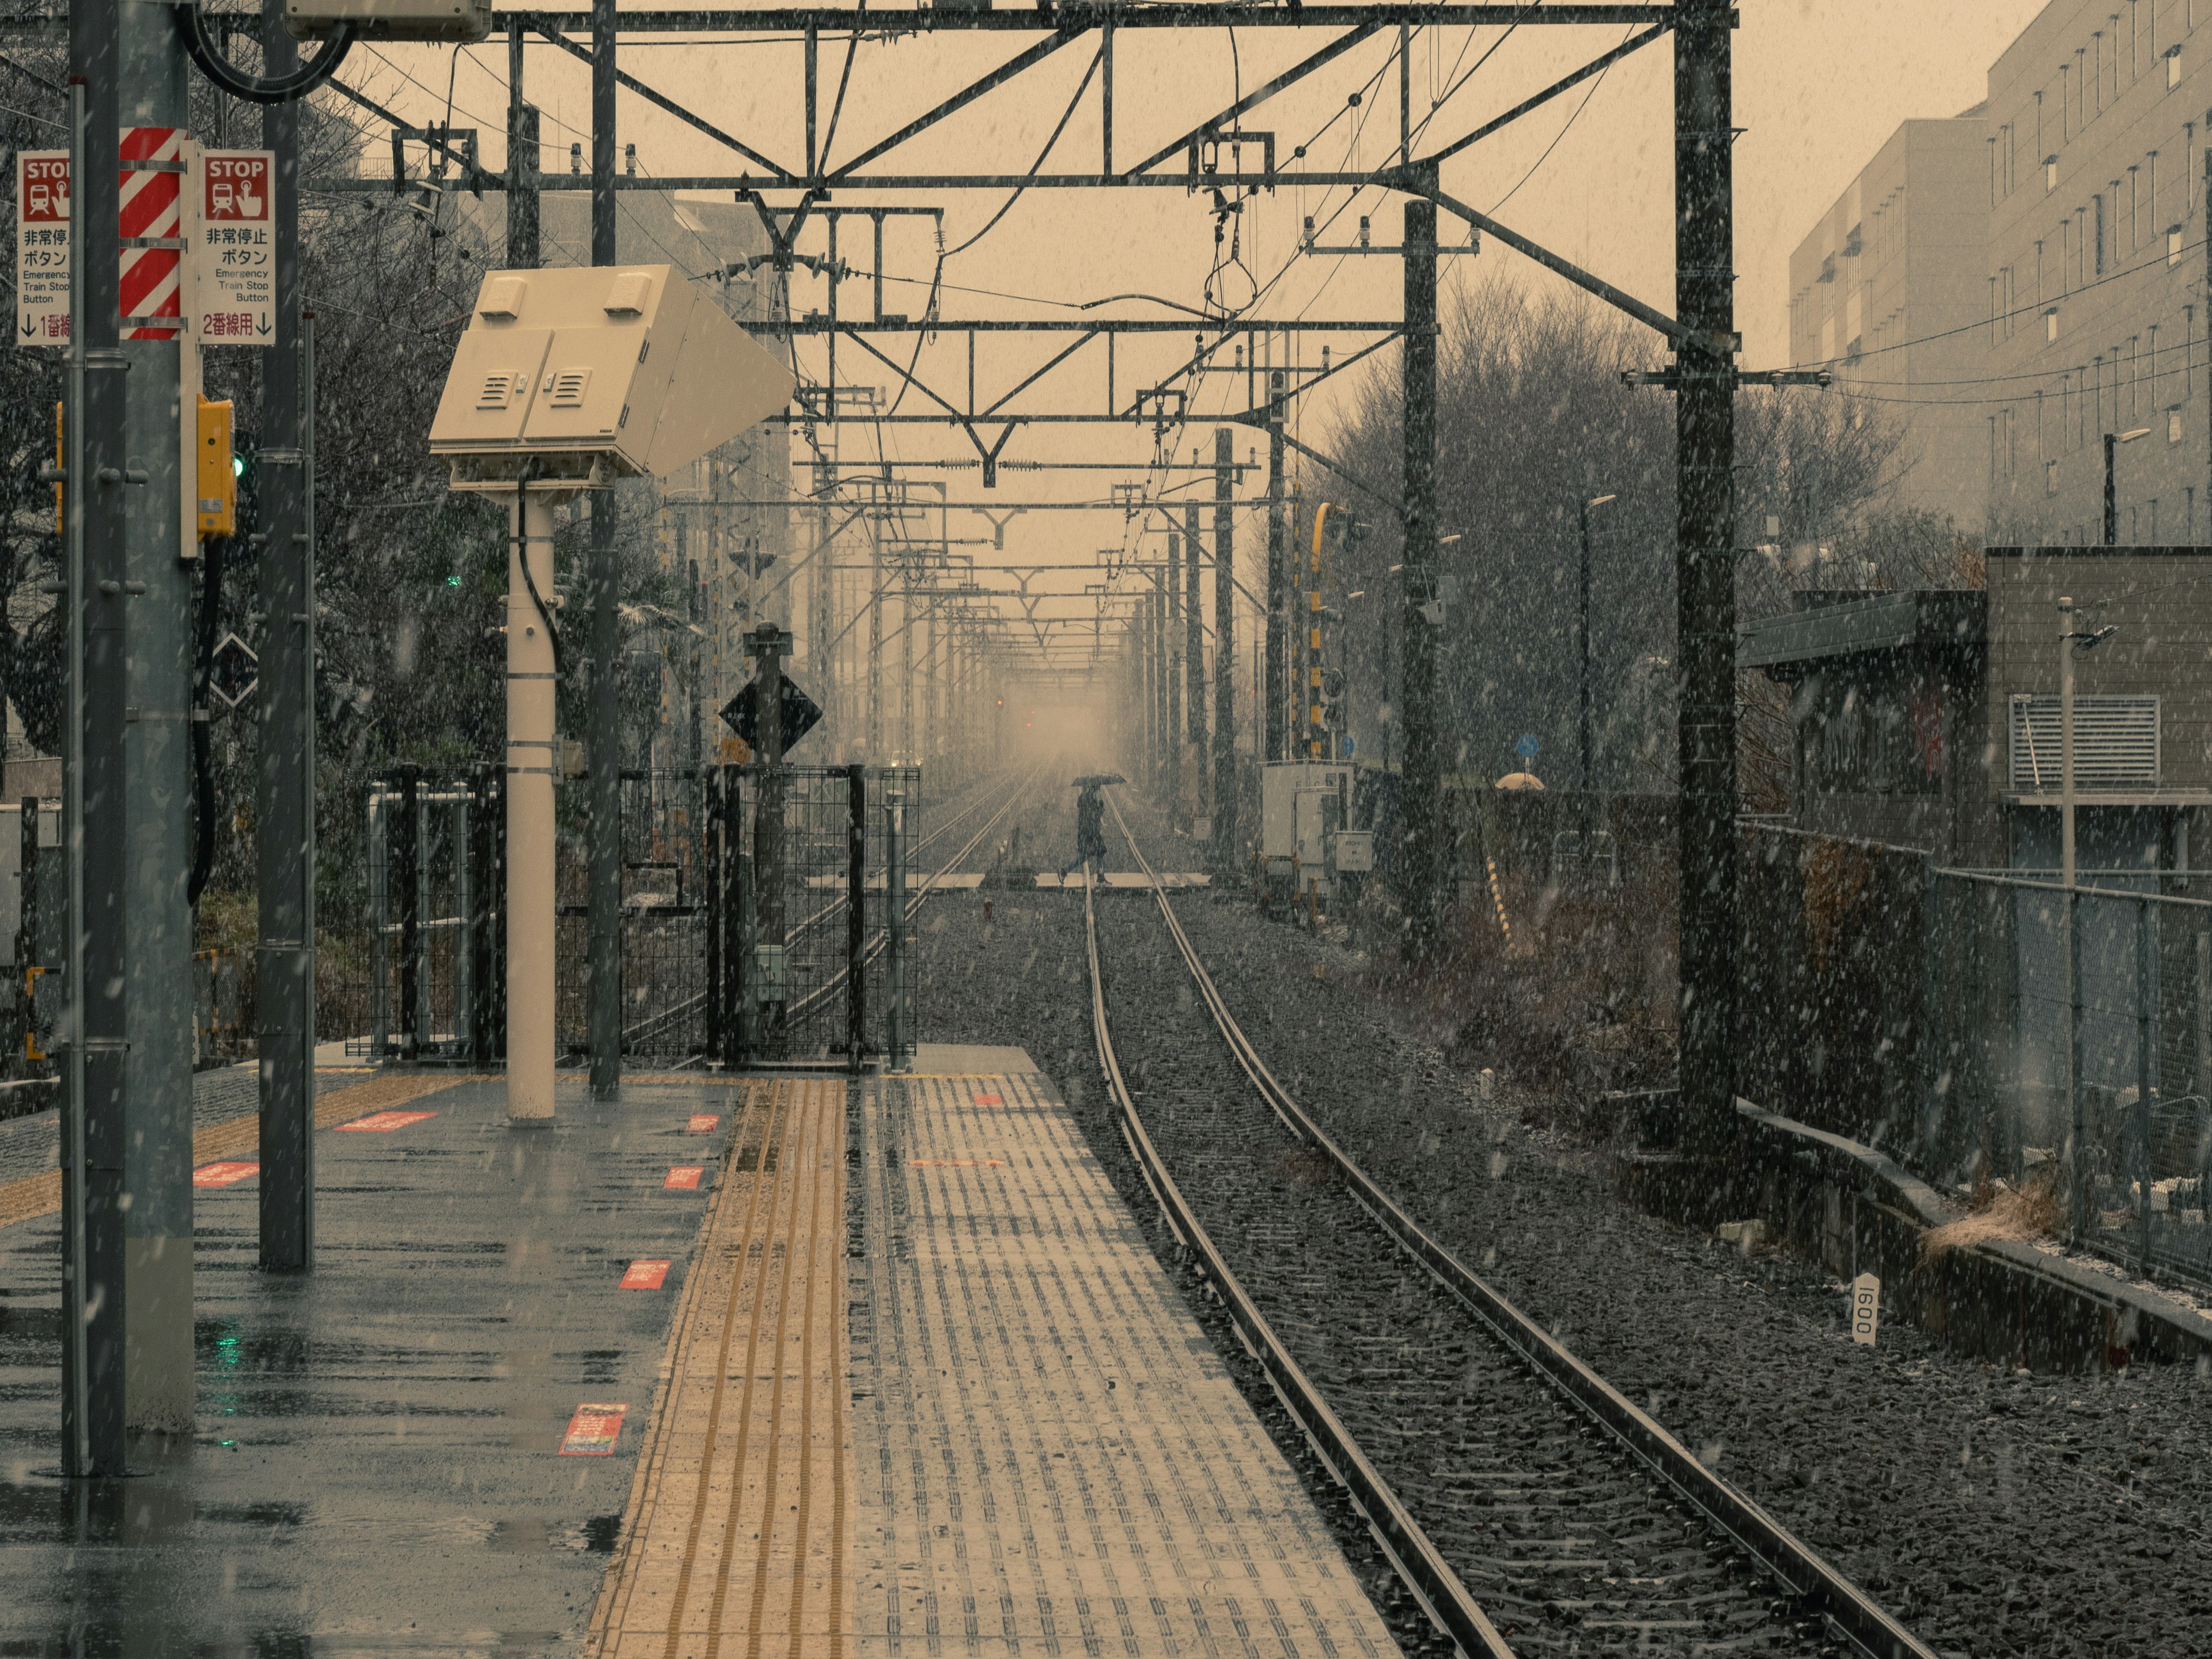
(1832,982)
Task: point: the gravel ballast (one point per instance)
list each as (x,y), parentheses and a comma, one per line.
(1994,1512)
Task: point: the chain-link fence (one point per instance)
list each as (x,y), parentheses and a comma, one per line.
(2070,1036)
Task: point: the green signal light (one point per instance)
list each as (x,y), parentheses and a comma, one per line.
(452,582)
(237,466)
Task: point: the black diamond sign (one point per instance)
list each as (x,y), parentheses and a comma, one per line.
(800,715)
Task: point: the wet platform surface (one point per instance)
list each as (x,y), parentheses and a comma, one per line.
(757,1367)
(379,1465)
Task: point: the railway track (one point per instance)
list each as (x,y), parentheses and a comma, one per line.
(1529,1506)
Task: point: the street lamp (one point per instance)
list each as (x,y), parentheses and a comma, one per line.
(1584,631)
(2113,442)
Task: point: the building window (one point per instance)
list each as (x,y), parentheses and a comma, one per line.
(2173,68)
(2051,477)
(2049,174)
(2173,425)
(2050,326)
(2173,246)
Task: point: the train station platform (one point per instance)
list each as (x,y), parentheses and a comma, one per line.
(930,1394)
(759,1365)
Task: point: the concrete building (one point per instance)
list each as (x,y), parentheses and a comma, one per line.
(1929,719)
(1886,288)
(2094,307)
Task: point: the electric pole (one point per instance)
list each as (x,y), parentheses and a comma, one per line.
(603,753)
(1705,426)
(95,1197)
(160,403)
(522,197)
(1174,732)
(285,968)
(1275,678)
(1419,790)
(1224,656)
(1193,659)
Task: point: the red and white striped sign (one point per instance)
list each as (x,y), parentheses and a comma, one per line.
(152,232)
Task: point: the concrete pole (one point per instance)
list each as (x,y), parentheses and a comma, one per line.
(906,752)
(603,753)
(1193,653)
(1704,498)
(1226,851)
(157,1066)
(1420,786)
(1275,680)
(531,1035)
(284,804)
(95,1196)
(873,747)
(1172,737)
(522,198)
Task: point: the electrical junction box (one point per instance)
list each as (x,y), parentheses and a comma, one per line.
(1351,852)
(463,21)
(1302,803)
(576,377)
(217,471)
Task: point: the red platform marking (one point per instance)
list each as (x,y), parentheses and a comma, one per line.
(702,1123)
(987,1099)
(684,1178)
(384,1122)
(223,1173)
(645,1276)
(959,1163)
(592,1431)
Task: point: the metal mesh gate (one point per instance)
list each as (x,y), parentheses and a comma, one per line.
(737,946)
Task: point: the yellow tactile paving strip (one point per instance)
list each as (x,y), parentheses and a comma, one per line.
(1050,1459)
(738,1526)
(33,1196)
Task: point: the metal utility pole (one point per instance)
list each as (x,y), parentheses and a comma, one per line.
(1421,787)
(873,747)
(768,645)
(1193,658)
(160,395)
(285,848)
(1224,654)
(1583,638)
(1173,735)
(1275,681)
(1704,427)
(94,1199)
(603,753)
(522,194)
(1155,612)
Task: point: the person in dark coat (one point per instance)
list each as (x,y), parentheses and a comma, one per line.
(1089,829)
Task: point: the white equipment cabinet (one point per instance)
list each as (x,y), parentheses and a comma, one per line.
(1305,807)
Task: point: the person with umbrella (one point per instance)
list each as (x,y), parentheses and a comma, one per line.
(1089,821)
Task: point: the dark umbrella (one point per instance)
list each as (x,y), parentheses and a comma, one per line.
(1093,779)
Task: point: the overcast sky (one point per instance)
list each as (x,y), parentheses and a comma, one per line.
(1820,84)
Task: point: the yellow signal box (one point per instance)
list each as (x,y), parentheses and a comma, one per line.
(218,478)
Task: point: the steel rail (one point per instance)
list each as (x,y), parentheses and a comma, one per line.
(1416,1560)
(1801,1570)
